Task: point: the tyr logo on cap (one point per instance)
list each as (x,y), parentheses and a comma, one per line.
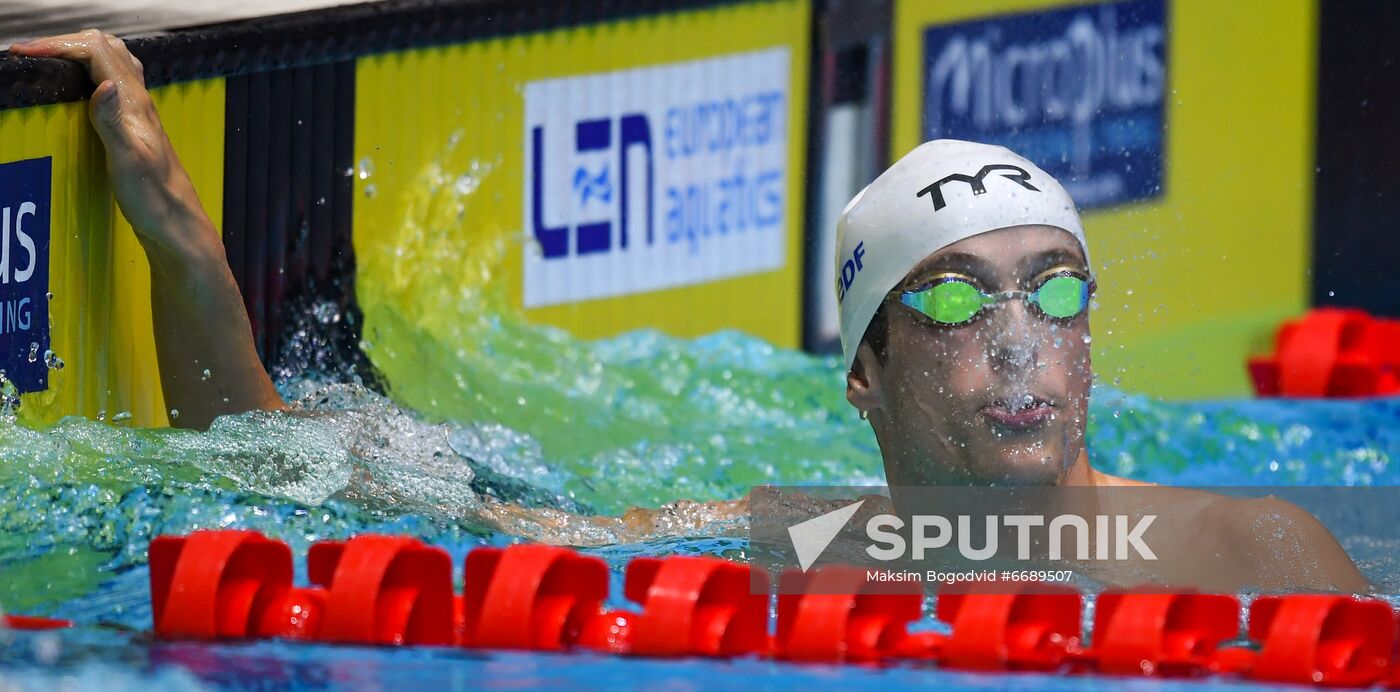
(1019,176)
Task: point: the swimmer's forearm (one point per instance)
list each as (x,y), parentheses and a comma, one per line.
(208,365)
(200,323)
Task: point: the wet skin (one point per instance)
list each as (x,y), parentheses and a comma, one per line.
(1002,399)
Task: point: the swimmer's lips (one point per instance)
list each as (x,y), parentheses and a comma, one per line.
(1038,413)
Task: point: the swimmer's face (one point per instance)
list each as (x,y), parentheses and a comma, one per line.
(1002,399)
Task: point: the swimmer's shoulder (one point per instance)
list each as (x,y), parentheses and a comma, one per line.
(1285,545)
(1108,480)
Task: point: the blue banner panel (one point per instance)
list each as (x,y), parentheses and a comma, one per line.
(1079,91)
(25,191)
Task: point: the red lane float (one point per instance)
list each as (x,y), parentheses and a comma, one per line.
(697,606)
(1166,633)
(33,623)
(392,591)
(1331,352)
(533,597)
(1319,639)
(1037,628)
(691,606)
(383,590)
(216,584)
(832,615)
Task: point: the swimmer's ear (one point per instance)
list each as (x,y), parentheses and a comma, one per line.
(863,380)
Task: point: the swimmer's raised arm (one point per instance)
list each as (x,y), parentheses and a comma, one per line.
(200,322)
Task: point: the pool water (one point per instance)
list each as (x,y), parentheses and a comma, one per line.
(638,419)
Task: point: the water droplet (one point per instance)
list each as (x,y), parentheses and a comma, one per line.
(366,168)
(174,413)
(33,352)
(122,417)
(52,361)
(204,377)
(1331,294)
(48,296)
(371,190)
(466,184)
(326,312)
(102,414)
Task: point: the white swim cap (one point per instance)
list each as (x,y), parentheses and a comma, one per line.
(938,194)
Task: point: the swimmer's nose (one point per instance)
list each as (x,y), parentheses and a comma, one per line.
(1014,339)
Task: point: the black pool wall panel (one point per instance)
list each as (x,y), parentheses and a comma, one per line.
(287,221)
(1356,247)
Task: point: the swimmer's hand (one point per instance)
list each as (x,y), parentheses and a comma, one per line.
(682,518)
(208,364)
(152,188)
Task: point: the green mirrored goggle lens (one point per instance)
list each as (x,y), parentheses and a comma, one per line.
(1061,296)
(956,301)
(948,302)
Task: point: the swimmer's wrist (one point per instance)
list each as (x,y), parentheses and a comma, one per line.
(189,243)
(180,230)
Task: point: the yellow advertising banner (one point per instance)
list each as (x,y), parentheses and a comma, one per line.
(100,360)
(646,172)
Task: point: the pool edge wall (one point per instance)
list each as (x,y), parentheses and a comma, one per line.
(232,95)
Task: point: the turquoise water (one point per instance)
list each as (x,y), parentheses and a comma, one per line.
(80,501)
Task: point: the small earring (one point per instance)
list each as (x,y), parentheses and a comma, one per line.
(864,414)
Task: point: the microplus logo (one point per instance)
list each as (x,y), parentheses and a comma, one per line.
(656,177)
(1078,90)
(1117,537)
(25,192)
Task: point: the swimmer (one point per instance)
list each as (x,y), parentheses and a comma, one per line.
(964,287)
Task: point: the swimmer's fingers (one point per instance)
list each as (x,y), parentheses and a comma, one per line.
(105,56)
(121,53)
(150,185)
(121,108)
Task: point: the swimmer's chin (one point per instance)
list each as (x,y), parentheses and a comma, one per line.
(1022,465)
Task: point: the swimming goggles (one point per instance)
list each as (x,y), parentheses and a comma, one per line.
(954,299)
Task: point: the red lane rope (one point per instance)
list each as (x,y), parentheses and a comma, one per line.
(1331,353)
(390,590)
